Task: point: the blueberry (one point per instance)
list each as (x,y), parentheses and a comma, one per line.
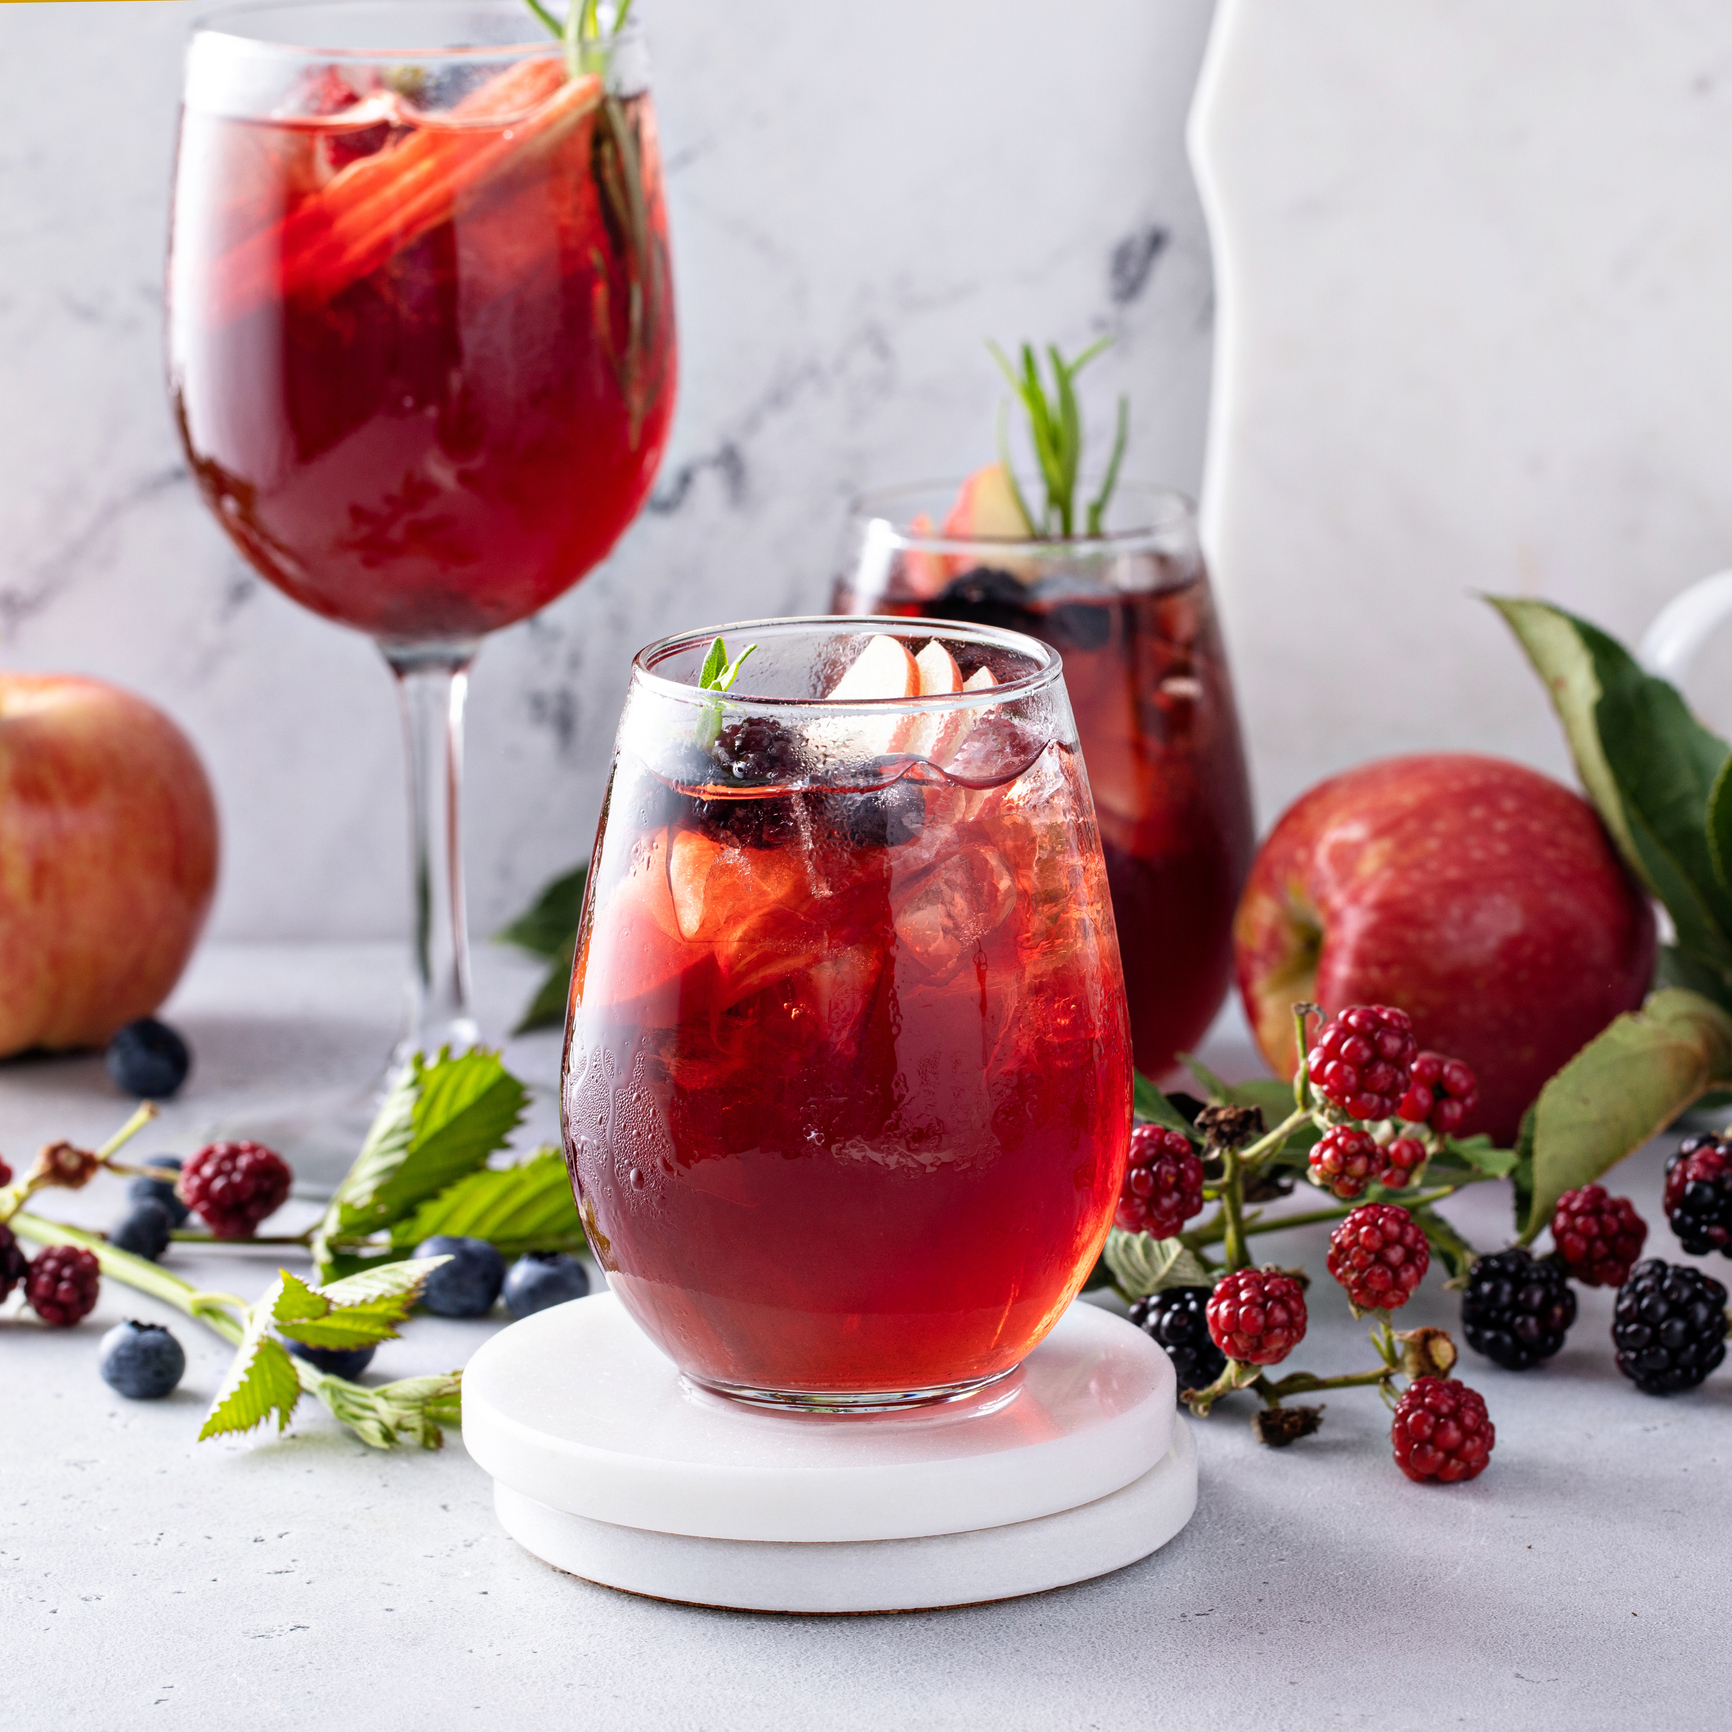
(347,1362)
(543,1278)
(469,1283)
(141,1361)
(143,1230)
(160,1190)
(148,1059)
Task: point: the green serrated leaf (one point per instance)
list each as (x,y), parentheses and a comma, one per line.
(1482,1154)
(1625,1086)
(261,1377)
(1142,1265)
(440,1121)
(1450,1248)
(1153,1107)
(548,927)
(412,1410)
(355,1312)
(528,1207)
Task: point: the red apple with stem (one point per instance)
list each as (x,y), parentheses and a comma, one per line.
(1479,896)
(108,859)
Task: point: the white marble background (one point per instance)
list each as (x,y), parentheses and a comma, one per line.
(1475,261)
(860,196)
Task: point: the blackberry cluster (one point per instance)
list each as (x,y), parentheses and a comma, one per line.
(873,817)
(63,1284)
(1441,1431)
(1443,1091)
(1598,1237)
(1178,1319)
(1669,1326)
(1517,1308)
(1163,1185)
(1344,1160)
(1257,1316)
(1362,1061)
(1698,1196)
(755,749)
(234,1186)
(1379,1254)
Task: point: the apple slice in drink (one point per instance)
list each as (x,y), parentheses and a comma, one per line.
(883,669)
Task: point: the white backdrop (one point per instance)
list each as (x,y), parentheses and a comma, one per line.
(1475,262)
(860,196)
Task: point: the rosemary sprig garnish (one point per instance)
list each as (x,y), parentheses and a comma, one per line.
(617,163)
(1055,432)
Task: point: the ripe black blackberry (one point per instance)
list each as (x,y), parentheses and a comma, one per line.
(14,1264)
(1177,1318)
(1517,1308)
(1669,1326)
(1698,1196)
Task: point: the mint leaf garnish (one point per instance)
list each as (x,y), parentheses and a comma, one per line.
(1055,431)
(718,673)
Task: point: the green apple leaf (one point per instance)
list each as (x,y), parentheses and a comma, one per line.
(1152,1107)
(1554,644)
(1625,1086)
(1142,1264)
(528,1207)
(1648,765)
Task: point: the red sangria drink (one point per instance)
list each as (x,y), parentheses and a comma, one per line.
(421,341)
(1130,611)
(421,352)
(847,1076)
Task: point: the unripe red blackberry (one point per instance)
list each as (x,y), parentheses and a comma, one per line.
(1442,1093)
(1257,1315)
(1344,1160)
(1379,1254)
(1362,1060)
(5,1173)
(1441,1431)
(234,1186)
(1598,1237)
(1163,1185)
(1402,1158)
(1698,1195)
(63,1284)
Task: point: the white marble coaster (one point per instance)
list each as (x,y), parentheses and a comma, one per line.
(997,1563)
(606,1463)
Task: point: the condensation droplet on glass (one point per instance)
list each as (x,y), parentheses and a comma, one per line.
(637,1179)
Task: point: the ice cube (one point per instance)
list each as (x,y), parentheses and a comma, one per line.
(953,907)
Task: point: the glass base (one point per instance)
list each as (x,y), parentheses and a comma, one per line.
(856,1401)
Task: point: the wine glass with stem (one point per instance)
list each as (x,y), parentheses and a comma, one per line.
(421,352)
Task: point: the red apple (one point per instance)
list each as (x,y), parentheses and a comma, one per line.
(987,507)
(1479,896)
(108,858)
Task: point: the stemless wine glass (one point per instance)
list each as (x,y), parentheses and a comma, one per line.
(420,345)
(846,1092)
(1147,672)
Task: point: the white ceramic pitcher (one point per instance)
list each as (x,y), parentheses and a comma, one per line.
(1683,625)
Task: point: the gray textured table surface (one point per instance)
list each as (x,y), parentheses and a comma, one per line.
(307,1581)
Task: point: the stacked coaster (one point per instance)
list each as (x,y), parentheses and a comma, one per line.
(607,1464)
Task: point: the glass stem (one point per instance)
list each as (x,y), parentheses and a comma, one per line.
(432,683)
